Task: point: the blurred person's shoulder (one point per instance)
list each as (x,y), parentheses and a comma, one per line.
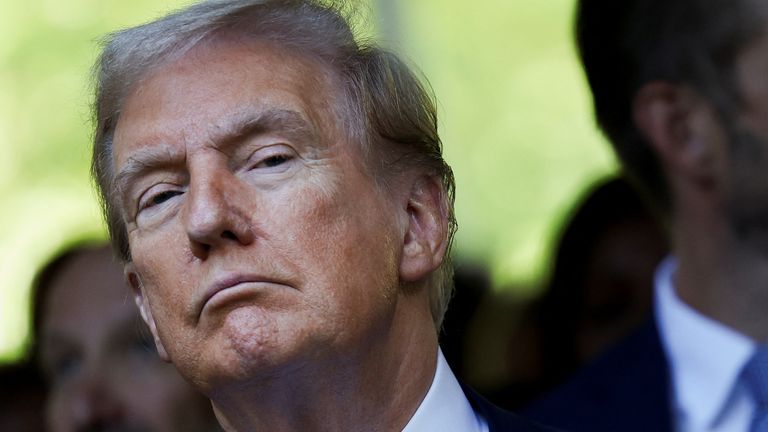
(500,420)
(626,388)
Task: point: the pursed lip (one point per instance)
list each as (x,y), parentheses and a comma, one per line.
(227,282)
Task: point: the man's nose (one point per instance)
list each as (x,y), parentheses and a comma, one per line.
(94,406)
(216,213)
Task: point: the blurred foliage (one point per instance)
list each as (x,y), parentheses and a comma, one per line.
(516,124)
(46,51)
(516,121)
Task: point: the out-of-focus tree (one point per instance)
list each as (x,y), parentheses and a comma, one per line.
(516,122)
(46,51)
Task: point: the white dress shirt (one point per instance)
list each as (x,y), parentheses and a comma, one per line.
(705,359)
(445,408)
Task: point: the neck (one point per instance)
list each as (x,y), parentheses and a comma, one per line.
(719,275)
(377,387)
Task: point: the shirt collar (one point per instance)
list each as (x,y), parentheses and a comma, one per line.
(445,408)
(705,356)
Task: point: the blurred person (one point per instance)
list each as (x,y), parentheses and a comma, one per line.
(598,292)
(277,192)
(98,357)
(22,397)
(601,284)
(679,89)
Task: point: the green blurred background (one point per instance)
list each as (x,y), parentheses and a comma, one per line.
(515,120)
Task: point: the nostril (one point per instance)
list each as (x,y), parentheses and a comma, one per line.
(200,250)
(229,235)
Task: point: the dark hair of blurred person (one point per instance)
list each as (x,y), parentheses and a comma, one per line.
(97,356)
(22,396)
(601,282)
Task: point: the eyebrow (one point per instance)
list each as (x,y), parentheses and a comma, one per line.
(287,122)
(238,128)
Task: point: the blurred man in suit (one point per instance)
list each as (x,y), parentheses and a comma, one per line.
(277,192)
(680,90)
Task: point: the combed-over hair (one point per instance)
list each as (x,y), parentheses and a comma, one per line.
(625,44)
(388,111)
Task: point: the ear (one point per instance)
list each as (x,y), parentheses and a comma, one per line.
(426,237)
(682,128)
(142,303)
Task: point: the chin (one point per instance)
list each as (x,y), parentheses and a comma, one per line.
(250,346)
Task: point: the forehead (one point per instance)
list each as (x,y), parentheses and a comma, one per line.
(89,288)
(189,99)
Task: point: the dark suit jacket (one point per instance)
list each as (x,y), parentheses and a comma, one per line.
(500,420)
(627,389)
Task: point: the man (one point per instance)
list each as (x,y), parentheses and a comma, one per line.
(278,194)
(679,88)
(102,371)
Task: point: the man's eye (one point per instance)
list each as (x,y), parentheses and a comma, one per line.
(162,197)
(157,199)
(272,161)
(63,367)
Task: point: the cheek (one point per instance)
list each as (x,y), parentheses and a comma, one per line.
(56,413)
(161,263)
(342,230)
(350,247)
(168,286)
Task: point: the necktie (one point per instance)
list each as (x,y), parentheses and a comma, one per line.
(755,377)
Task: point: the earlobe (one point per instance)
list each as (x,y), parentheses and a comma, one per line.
(426,237)
(142,303)
(681,128)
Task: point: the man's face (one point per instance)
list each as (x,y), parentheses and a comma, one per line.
(747,201)
(259,243)
(102,373)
